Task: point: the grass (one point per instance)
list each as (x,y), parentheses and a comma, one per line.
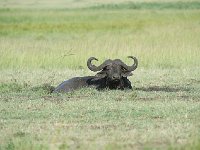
(151,5)
(77,4)
(56,38)
(42,46)
(161,112)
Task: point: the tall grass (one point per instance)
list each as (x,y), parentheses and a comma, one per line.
(151,5)
(66,38)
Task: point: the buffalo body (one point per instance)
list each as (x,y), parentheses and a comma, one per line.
(112,75)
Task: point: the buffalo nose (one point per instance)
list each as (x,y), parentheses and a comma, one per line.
(115,76)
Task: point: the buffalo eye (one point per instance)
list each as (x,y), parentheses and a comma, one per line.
(123,69)
(108,68)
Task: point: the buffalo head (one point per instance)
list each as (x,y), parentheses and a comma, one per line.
(112,70)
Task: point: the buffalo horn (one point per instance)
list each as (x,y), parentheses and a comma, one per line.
(96,68)
(133,67)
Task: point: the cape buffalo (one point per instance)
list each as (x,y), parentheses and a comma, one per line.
(113,75)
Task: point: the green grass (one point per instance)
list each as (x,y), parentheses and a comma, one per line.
(43,43)
(162,112)
(45,38)
(151,5)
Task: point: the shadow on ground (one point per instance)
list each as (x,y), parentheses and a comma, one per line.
(162,89)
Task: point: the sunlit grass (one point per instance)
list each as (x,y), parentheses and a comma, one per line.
(161,112)
(39,48)
(65,39)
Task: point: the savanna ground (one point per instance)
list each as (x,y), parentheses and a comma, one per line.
(43,43)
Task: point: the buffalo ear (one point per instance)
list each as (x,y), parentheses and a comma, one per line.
(126,74)
(101,74)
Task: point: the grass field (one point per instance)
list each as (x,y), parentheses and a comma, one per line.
(43,43)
